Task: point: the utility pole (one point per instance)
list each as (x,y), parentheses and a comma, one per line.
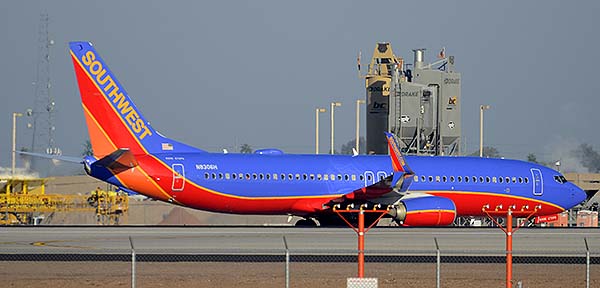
(481,109)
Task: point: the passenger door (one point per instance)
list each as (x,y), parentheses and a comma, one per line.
(178,177)
(369,178)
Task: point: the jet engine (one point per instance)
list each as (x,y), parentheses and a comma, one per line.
(424,211)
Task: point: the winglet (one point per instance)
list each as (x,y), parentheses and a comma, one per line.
(398,162)
(401,180)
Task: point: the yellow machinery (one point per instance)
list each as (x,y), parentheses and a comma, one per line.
(109,205)
(22,200)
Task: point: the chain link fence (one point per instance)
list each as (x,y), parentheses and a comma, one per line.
(58,266)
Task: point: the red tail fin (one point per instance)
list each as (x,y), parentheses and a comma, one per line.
(113,120)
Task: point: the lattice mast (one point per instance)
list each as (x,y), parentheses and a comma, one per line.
(42,114)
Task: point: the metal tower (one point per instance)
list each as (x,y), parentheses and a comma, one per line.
(42,113)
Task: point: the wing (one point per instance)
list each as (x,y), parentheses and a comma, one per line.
(391,188)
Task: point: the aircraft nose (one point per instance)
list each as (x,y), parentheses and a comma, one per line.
(578,195)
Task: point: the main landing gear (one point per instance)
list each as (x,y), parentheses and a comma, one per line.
(309,222)
(332,220)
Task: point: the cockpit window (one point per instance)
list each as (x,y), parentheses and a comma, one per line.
(560,179)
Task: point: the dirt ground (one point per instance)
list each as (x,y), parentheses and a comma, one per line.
(242,275)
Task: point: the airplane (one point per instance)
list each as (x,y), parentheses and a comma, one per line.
(431,191)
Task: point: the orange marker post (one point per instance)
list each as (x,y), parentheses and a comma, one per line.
(509,231)
(360,230)
(361,244)
(509,234)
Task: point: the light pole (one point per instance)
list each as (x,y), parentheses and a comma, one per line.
(481,109)
(317,111)
(358,102)
(333,105)
(14,141)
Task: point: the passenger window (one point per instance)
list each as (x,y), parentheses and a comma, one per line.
(507,179)
(459,178)
(241,176)
(369,177)
(451,178)
(520,179)
(416,178)
(437,178)
(487,179)
(268,176)
(247,176)
(422,178)
(339,177)
(254,176)
(332,177)
(312,176)
(526,180)
(214,176)
(297,176)
(304,176)
(480,179)
(353,177)
(500,179)
(326,177)
(206,176)
(274,176)
(227,176)
(261,176)
(514,179)
(319,177)
(494,179)
(466,179)
(346,177)
(430,178)
(290,176)
(474,179)
(361,177)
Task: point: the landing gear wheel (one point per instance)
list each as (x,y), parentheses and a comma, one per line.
(336,221)
(305,223)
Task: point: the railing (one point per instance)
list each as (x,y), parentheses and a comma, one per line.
(66,266)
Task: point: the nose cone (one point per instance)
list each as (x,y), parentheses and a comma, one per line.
(577,196)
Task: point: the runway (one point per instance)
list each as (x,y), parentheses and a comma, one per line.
(90,240)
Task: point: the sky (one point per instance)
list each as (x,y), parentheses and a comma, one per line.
(218,74)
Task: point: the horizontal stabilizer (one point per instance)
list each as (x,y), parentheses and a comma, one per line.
(118,161)
(53,157)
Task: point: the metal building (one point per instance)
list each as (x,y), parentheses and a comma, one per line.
(418,102)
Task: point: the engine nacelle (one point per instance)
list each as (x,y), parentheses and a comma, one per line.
(424,211)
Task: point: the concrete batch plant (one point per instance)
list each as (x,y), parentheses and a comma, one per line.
(418,102)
